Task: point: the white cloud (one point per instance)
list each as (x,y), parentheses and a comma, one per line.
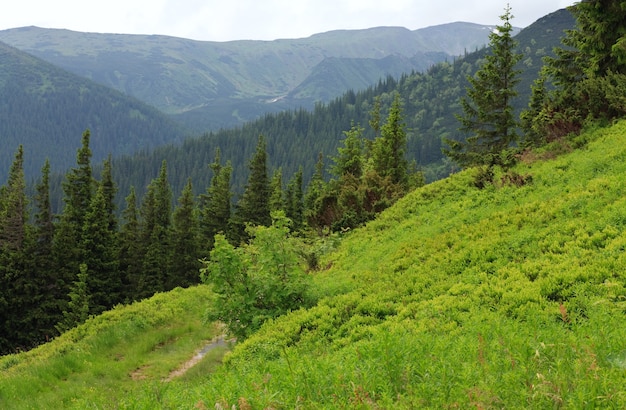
(222,20)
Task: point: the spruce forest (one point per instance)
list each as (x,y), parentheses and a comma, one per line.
(475,260)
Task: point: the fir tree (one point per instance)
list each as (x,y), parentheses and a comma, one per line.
(215,212)
(131,255)
(254,207)
(294,205)
(184,262)
(156,213)
(276,191)
(78,307)
(100,253)
(487,110)
(388,151)
(78,188)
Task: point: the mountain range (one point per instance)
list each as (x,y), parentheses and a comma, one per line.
(212,85)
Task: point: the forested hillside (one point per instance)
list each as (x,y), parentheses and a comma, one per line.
(430,102)
(213,85)
(500,286)
(46,109)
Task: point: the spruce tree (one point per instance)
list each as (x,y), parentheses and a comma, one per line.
(215,204)
(184,262)
(294,205)
(276,191)
(130,255)
(156,211)
(78,189)
(77,310)
(100,254)
(388,151)
(487,111)
(254,206)
(587,75)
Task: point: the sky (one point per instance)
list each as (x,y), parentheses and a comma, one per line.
(225,20)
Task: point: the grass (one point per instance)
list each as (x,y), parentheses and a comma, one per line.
(506,297)
(109,356)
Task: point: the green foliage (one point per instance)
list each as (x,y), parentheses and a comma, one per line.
(487,110)
(78,306)
(258,281)
(588,74)
(215,204)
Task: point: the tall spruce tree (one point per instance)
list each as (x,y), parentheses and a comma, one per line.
(487,111)
(588,74)
(216,204)
(254,205)
(276,191)
(388,151)
(131,254)
(16,297)
(100,254)
(156,213)
(78,188)
(184,264)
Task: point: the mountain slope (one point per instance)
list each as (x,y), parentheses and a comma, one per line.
(509,297)
(46,109)
(187,77)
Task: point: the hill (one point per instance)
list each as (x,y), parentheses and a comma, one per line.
(296,137)
(46,109)
(508,297)
(213,85)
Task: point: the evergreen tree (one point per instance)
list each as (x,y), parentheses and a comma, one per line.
(78,188)
(320,204)
(487,110)
(48,289)
(350,158)
(130,255)
(254,206)
(156,211)
(15,279)
(100,254)
(294,205)
(276,191)
(215,212)
(77,310)
(588,74)
(184,265)
(388,151)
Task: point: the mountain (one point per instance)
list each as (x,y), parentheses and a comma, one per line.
(46,109)
(507,297)
(296,137)
(212,85)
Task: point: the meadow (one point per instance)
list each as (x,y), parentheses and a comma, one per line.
(512,296)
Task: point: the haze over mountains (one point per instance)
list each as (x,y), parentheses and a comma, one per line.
(211,85)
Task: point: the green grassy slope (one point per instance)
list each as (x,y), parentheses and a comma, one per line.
(507,297)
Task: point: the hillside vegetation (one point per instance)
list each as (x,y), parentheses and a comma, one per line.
(512,296)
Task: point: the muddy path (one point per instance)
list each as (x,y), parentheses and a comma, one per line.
(217,342)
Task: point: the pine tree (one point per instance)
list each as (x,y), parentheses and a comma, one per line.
(588,74)
(184,265)
(156,211)
(254,207)
(131,255)
(294,205)
(215,204)
(276,191)
(487,110)
(350,158)
(78,307)
(388,151)
(100,254)
(16,297)
(78,188)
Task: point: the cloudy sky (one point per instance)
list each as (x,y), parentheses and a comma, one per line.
(223,20)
